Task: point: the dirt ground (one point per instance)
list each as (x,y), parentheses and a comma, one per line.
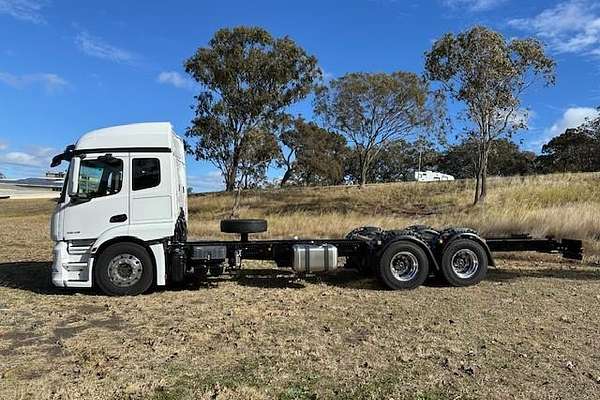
(530,331)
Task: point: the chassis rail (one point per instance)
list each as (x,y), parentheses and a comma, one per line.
(273,249)
(455,253)
(569,248)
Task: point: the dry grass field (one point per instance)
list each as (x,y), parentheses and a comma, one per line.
(530,331)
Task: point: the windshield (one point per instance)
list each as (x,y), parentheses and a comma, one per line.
(100,177)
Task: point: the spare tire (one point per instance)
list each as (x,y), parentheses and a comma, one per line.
(243,225)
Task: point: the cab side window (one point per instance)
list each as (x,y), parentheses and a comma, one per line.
(146,173)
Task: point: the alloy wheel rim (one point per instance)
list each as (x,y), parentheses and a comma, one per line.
(125,270)
(404,266)
(465,263)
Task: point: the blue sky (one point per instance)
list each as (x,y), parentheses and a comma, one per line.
(67,67)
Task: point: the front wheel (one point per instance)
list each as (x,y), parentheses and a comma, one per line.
(464,263)
(124,269)
(403,265)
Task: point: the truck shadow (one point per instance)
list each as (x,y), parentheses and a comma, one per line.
(577,274)
(348,278)
(35,276)
(276,279)
(268,279)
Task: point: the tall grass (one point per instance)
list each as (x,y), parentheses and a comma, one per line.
(561,205)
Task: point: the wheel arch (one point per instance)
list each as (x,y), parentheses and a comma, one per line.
(415,240)
(98,249)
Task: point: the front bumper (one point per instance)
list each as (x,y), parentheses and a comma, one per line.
(70,269)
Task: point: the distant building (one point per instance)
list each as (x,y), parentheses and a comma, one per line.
(51,180)
(432,176)
(55,175)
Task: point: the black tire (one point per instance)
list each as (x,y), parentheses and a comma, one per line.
(410,253)
(243,225)
(134,257)
(471,264)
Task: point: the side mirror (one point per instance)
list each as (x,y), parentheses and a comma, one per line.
(73,184)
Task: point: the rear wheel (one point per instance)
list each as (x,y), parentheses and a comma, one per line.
(403,265)
(124,269)
(464,263)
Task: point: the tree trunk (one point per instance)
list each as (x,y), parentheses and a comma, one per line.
(484,168)
(477,183)
(230,179)
(286,177)
(364,169)
(363,176)
(483,193)
(478,175)
(235,208)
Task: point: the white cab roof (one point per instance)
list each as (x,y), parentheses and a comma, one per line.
(147,134)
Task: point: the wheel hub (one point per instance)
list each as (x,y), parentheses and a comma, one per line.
(404,266)
(465,263)
(125,270)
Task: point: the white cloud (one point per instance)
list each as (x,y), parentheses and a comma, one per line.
(50,82)
(569,27)
(209,182)
(571,118)
(25,163)
(520,117)
(3,146)
(176,79)
(474,5)
(25,10)
(20,158)
(33,157)
(96,47)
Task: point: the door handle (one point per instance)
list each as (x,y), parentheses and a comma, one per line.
(118,218)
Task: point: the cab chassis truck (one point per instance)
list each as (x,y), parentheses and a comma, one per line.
(120,225)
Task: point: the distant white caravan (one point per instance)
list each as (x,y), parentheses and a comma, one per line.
(432,176)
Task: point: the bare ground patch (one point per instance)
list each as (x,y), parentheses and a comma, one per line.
(529,331)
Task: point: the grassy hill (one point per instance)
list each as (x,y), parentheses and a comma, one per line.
(563,205)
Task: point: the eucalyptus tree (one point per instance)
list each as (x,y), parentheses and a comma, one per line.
(312,155)
(488,74)
(248,79)
(373,110)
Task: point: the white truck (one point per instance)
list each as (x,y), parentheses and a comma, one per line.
(121,225)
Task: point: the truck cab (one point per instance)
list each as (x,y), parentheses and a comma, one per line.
(123,201)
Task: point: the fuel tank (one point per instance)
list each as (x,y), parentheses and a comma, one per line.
(315,258)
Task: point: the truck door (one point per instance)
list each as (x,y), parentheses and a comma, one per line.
(151,195)
(104,203)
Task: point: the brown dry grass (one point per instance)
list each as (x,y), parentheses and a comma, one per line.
(528,332)
(566,205)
